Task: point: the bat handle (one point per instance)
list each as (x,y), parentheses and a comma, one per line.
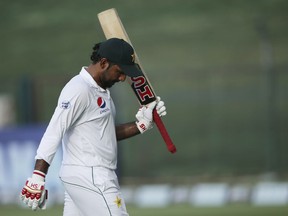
(161,127)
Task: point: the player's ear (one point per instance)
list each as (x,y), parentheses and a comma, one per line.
(104,64)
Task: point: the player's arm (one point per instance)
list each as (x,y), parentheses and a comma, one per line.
(33,193)
(127,130)
(41,165)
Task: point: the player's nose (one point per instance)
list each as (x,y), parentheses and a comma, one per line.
(122,77)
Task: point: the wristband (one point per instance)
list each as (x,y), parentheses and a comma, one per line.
(38,175)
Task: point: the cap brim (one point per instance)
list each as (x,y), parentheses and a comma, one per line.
(131,70)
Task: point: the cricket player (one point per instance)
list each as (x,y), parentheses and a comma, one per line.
(84,122)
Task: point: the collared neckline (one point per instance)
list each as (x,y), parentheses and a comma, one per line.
(88,78)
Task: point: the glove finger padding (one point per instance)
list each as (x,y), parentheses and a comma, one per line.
(161,109)
(33,193)
(39,201)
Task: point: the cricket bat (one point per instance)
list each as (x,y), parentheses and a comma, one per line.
(113,28)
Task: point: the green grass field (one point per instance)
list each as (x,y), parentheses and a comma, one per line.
(178,210)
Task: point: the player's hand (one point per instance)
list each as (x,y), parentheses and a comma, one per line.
(33,193)
(144,117)
(160,107)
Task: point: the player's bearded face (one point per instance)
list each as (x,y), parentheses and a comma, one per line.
(109,77)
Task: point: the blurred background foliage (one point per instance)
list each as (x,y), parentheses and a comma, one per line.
(220,66)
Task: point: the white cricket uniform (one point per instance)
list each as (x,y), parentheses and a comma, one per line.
(84,122)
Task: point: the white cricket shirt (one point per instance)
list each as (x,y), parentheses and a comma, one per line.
(84,122)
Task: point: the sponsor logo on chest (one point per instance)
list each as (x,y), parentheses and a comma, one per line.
(102,105)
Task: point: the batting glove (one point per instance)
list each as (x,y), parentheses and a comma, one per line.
(144,117)
(33,193)
(160,107)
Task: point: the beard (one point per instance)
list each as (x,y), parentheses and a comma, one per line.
(107,82)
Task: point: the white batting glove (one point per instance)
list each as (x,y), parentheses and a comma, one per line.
(33,193)
(160,107)
(144,117)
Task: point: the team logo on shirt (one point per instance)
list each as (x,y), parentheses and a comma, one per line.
(118,202)
(101,102)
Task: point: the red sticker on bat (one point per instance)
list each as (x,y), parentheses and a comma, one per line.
(142,90)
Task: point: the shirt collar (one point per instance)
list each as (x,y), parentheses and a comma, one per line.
(89,79)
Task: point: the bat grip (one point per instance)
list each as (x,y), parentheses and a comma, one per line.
(161,127)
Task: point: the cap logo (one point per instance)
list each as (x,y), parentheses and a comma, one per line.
(133,57)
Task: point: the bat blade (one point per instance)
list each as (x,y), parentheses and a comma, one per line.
(112,27)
